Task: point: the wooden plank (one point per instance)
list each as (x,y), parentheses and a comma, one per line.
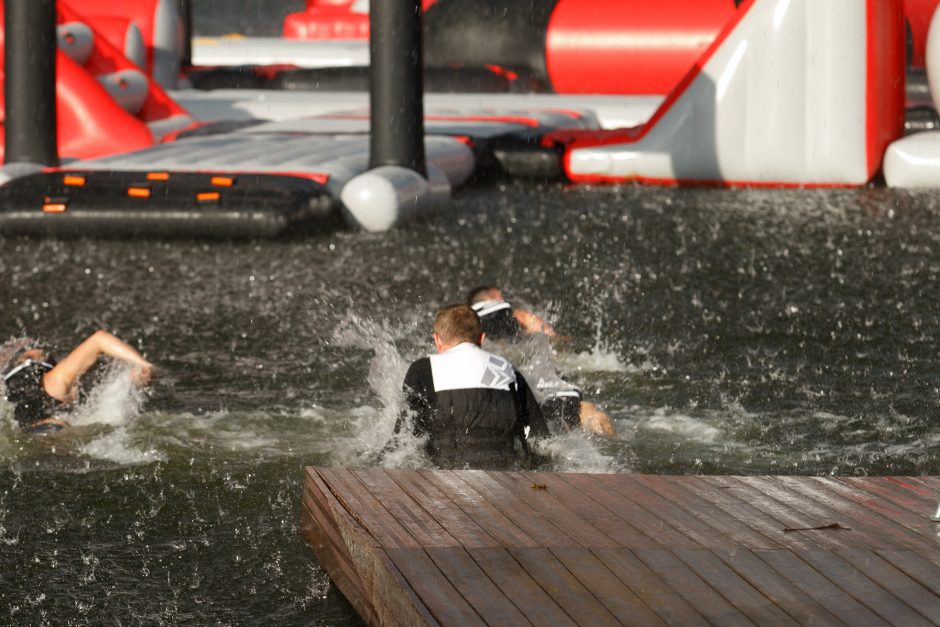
(803,608)
(859,585)
(706,601)
(366,509)
(788,516)
(889,495)
(454,520)
(333,555)
(616,596)
(537,495)
(570,594)
(695,506)
(655,591)
(425,530)
(476,587)
(722,494)
(726,582)
(620,530)
(835,599)
(392,601)
(922,487)
(650,524)
(879,531)
(509,576)
(500,527)
(679,518)
(882,500)
(423,576)
(894,581)
(918,567)
(523,515)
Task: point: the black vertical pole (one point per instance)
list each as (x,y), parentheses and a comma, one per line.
(29,82)
(397,87)
(186,16)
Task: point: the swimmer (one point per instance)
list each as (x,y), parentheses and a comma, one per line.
(564,404)
(502,321)
(41,389)
(473,406)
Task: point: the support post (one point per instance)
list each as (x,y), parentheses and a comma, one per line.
(397,87)
(186,16)
(30,82)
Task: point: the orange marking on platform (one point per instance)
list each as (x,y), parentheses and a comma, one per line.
(73,180)
(208,196)
(222,181)
(54,205)
(138,192)
(158,176)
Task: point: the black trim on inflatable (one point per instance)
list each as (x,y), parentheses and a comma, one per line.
(443,80)
(107,203)
(482,32)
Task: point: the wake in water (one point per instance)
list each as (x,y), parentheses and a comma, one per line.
(374,427)
(100,424)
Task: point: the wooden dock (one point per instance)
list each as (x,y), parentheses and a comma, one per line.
(411,547)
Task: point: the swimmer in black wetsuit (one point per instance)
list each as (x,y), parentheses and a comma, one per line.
(472,405)
(41,389)
(564,404)
(501,321)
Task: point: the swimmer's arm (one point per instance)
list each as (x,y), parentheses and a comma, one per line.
(533,323)
(595,420)
(59,382)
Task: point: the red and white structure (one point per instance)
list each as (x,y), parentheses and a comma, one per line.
(791,92)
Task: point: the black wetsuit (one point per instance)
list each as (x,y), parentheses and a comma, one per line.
(498,320)
(24,389)
(562,405)
(473,406)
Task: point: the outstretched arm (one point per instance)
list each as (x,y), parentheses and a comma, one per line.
(533,323)
(60,381)
(595,420)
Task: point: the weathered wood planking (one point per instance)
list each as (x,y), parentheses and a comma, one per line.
(470,547)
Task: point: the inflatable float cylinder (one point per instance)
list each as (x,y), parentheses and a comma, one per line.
(383,197)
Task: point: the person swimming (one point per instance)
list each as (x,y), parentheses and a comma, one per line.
(563,403)
(42,389)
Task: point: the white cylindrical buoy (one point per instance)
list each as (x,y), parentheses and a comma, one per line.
(913,161)
(932,56)
(380,198)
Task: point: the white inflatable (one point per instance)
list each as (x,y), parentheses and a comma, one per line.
(781,99)
(914,161)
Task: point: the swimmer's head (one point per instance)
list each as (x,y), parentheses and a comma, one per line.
(455,324)
(483,293)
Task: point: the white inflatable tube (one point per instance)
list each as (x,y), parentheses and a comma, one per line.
(385,196)
(913,161)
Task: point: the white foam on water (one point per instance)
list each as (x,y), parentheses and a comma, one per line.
(373,428)
(114,401)
(574,451)
(597,360)
(681,425)
(118,446)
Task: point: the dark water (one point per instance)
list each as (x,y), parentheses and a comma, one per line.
(725,331)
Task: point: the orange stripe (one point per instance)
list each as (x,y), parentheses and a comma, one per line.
(207,196)
(138,192)
(54,207)
(73,180)
(158,176)
(222,181)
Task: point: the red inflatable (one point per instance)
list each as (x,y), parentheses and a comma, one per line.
(330,19)
(629,46)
